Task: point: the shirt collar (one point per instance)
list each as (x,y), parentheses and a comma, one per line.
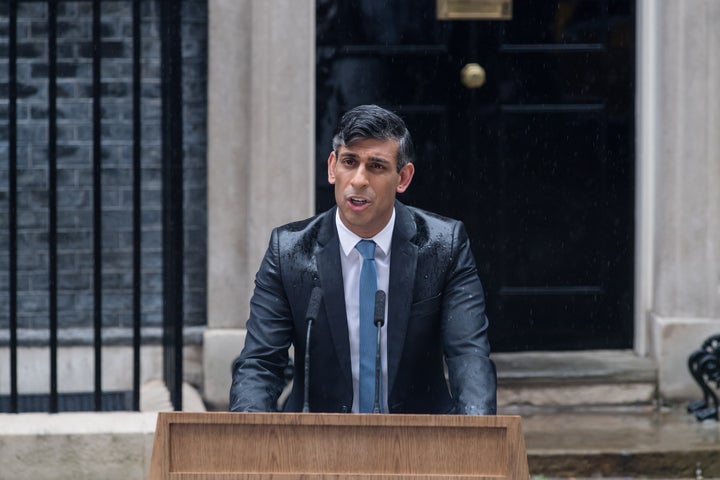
(348,239)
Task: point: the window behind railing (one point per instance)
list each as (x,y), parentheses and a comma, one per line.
(102,198)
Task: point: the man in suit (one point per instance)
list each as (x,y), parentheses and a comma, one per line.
(435,311)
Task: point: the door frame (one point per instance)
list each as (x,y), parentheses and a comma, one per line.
(646,141)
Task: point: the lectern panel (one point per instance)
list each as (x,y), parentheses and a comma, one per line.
(283,446)
(337,449)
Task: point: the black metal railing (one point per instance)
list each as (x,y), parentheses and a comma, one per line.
(172,177)
(704,366)
(172,205)
(12,200)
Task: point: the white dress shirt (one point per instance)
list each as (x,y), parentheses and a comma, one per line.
(351,262)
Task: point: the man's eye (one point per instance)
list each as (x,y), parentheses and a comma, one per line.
(378,166)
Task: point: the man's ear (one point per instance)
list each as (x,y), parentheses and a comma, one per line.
(406,176)
(331,168)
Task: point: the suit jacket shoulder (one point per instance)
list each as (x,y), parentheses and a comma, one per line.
(424,228)
(299,237)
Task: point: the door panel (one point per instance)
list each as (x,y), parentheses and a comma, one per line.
(550,192)
(538,163)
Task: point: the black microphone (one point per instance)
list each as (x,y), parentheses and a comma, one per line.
(310,315)
(379,320)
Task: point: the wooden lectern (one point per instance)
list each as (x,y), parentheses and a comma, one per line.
(204,446)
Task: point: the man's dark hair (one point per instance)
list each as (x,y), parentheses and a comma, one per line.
(370,121)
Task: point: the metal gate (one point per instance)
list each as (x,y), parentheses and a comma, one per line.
(83,252)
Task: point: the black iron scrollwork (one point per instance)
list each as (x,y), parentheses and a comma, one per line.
(704,365)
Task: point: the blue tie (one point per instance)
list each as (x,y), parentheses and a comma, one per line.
(368,331)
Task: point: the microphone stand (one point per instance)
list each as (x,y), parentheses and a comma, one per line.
(379,320)
(311,315)
(306,394)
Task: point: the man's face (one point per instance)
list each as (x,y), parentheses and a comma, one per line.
(366,181)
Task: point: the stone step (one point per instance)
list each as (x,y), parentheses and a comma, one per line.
(666,443)
(595,414)
(576,380)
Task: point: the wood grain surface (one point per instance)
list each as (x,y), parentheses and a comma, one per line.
(336,446)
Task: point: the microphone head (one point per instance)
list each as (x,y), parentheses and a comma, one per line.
(314,304)
(379,317)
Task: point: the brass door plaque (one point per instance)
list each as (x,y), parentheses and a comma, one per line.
(474,9)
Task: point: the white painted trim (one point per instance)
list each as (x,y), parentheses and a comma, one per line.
(311,19)
(647,22)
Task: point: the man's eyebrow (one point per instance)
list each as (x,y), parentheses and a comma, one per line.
(378,159)
(370,159)
(373,159)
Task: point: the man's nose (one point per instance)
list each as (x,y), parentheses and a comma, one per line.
(360,178)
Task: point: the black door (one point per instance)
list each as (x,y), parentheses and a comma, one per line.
(538,162)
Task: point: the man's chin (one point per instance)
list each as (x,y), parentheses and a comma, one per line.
(356,222)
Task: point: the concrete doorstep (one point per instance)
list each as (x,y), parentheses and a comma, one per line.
(595,414)
(72,446)
(87,445)
(622,444)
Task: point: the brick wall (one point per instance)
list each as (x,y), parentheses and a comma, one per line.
(75,164)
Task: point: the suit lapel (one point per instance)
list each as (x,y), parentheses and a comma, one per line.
(403,261)
(331,280)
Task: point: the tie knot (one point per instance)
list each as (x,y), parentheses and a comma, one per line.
(366,249)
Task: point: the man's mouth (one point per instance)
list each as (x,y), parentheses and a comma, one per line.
(358,201)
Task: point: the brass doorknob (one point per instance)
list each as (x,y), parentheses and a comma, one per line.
(472,76)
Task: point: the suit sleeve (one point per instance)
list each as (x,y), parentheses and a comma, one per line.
(472,375)
(257,374)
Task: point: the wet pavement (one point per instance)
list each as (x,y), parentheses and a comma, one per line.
(631,443)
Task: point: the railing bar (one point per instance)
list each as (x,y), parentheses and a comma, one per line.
(137,177)
(97,203)
(52,200)
(12,200)
(172,196)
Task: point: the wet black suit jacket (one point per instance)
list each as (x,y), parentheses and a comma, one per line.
(436,310)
